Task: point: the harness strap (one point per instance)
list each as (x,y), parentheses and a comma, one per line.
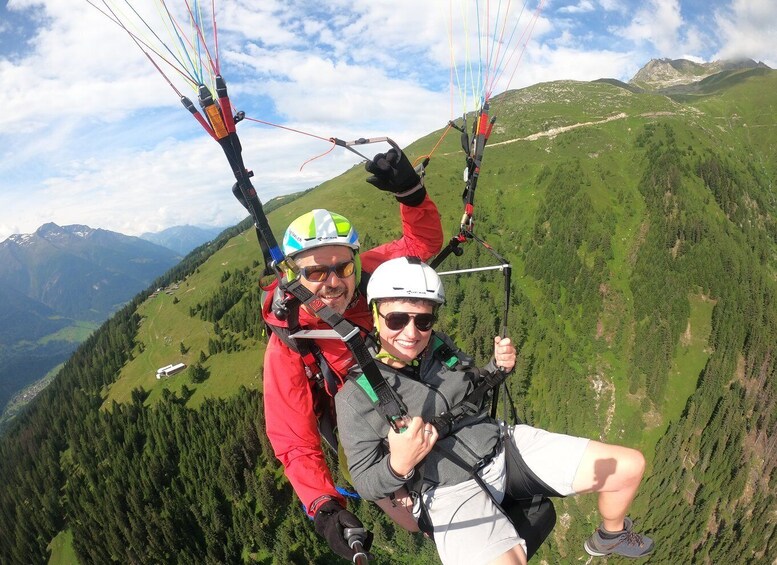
(443,352)
(540,508)
(317,369)
(470,405)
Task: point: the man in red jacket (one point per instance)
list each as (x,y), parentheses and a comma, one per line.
(326,248)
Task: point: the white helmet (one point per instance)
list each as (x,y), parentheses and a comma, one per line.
(405,277)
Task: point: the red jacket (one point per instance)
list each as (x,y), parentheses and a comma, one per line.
(291,404)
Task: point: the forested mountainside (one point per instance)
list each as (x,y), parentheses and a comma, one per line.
(641,230)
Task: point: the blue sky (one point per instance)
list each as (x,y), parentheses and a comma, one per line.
(91,133)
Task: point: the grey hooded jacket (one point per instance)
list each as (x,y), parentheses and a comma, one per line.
(443,378)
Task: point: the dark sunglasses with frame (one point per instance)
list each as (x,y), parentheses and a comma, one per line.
(396,321)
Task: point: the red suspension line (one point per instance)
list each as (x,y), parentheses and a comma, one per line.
(487,28)
(327,139)
(327,152)
(140,43)
(495,63)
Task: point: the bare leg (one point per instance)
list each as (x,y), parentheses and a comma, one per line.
(615,473)
(400,510)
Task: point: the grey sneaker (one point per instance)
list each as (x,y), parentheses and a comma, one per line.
(627,544)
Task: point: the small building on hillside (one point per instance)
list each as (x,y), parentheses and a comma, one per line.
(169,370)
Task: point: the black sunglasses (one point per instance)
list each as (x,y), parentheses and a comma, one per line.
(395,321)
(319,273)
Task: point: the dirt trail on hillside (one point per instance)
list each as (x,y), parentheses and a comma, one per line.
(553,132)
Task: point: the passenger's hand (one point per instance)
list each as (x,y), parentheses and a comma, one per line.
(504,353)
(392,172)
(411,445)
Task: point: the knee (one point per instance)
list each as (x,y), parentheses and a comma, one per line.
(634,463)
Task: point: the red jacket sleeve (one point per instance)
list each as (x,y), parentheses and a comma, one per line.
(421,236)
(292,426)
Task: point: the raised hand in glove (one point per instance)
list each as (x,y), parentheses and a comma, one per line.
(392,172)
(330,521)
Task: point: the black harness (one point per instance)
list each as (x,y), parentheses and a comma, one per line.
(323,379)
(317,369)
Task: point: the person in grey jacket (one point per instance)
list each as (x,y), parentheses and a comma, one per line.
(431,375)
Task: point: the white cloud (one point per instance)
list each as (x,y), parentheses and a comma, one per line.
(658,22)
(581,7)
(614,6)
(748,28)
(171,183)
(564,63)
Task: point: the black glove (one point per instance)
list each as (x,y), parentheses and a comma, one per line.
(330,520)
(392,172)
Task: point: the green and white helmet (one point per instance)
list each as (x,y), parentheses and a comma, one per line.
(405,277)
(318,228)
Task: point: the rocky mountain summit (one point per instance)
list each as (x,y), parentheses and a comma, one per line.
(663,74)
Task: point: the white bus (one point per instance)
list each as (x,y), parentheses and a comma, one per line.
(169,370)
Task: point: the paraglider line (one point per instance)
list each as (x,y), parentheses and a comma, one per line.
(327,152)
(201,37)
(327,139)
(215,36)
(534,23)
(140,44)
(436,145)
(192,76)
(178,31)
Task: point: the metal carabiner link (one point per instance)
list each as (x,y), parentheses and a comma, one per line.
(365,141)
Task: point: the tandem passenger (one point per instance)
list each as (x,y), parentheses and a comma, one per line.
(431,375)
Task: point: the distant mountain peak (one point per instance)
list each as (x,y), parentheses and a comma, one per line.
(659,74)
(20,239)
(51,229)
(182,239)
(78,271)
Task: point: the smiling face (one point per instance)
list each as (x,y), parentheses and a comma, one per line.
(333,291)
(406,343)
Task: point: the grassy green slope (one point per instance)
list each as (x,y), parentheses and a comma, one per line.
(61,548)
(167,324)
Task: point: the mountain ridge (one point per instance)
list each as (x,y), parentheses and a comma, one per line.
(182,239)
(668,74)
(58,281)
(67,267)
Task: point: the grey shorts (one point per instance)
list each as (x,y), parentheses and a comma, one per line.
(468,528)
